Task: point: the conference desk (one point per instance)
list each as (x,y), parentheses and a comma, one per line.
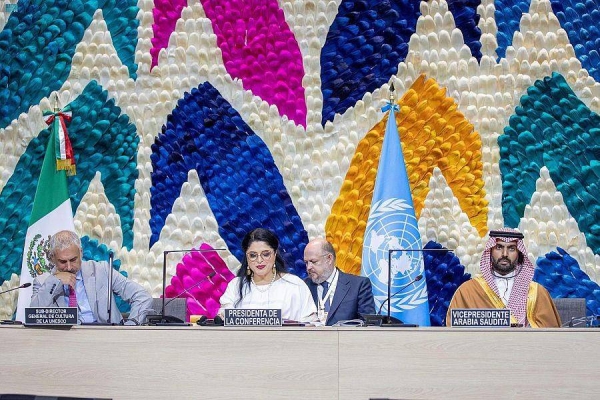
(300,362)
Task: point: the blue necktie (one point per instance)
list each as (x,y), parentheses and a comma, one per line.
(325,286)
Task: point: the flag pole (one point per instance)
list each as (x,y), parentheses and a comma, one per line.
(389,281)
(392,223)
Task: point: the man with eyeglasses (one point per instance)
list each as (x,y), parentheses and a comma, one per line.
(338,296)
(506,281)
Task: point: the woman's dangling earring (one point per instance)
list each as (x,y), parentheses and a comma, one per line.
(248,272)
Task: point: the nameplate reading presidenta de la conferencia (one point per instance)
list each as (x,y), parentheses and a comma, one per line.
(253,317)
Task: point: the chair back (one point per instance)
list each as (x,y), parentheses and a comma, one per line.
(571,309)
(176,307)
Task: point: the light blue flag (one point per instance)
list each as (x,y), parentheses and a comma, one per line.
(392,225)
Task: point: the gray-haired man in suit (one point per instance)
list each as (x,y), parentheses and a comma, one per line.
(338,296)
(88,280)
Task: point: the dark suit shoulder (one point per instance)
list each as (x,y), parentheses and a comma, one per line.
(353,278)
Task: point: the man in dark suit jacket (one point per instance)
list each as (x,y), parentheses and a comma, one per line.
(338,296)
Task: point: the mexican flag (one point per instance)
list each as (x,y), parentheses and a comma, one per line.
(51,213)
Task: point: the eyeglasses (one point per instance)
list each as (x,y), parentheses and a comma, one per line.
(265,255)
(314,262)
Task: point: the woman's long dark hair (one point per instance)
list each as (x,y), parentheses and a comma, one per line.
(258,235)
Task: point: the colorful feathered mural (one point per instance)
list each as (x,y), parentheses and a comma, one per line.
(195,121)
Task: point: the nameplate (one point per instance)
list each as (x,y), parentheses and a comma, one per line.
(253,317)
(51,316)
(480,318)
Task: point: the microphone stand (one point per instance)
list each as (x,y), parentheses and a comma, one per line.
(389,320)
(110,285)
(169,320)
(10,321)
(187,290)
(15,288)
(109,296)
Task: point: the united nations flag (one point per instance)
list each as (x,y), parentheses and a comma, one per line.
(392,225)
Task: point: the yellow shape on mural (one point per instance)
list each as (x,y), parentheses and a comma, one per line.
(433,134)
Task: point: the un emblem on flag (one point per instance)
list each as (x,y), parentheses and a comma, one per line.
(37,263)
(393,226)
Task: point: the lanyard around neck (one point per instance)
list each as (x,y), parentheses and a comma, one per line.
(330,291)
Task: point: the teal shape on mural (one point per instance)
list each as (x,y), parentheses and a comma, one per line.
(552,127)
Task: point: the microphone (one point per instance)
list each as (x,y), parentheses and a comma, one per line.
(388,320)
(417,279)
(23,286)
(205,321)
(191,287)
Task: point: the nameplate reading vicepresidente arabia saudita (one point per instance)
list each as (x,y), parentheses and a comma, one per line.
(51,316)
(253,317)
(480,318)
